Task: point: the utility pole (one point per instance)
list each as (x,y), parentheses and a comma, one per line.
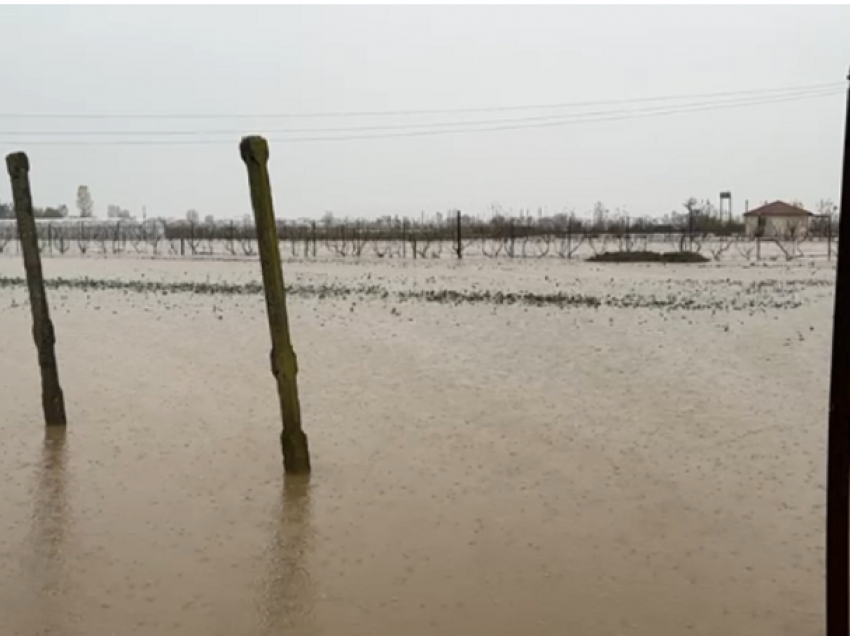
(838,453)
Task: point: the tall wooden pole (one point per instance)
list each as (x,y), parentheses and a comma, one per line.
(52,400)
(293,440)
(838,460)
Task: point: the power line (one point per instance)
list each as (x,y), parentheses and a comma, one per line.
(442,111)
(421,133)
(389,127)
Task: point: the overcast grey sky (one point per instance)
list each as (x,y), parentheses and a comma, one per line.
(274,60)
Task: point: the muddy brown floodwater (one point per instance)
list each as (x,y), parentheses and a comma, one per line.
(478,468)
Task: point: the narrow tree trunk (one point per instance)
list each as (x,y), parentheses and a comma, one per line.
(52,400)
(296,455)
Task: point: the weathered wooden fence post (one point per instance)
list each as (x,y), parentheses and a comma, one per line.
(829,238)
(404,238)
(459,241)
(296,455)
(52,400)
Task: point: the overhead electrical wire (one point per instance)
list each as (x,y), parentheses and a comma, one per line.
(393,113)
(427,125)
(428,128)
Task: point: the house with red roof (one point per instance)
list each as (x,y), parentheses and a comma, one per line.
(777,220)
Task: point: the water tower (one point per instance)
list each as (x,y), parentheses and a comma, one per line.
(725,196)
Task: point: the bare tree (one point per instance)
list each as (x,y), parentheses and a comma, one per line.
(789,238)
(359,239)
(101,236)
(510,239)
(84,235)
(230,239)
(247,234)
(381,246)
(422,240)
(119,239)
(570,235)
(174,234)
(6,234)
(60,239)
(491,246)
(437,243)
(134,232)
(337,239)
(745,247)
(720,246)
(193,238)
(154,233)
(290,233)
(599,244)
(207,232)
(536,239)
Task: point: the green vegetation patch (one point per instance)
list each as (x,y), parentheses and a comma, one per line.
(648,257)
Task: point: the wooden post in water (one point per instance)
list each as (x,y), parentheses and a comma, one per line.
(838,453)
(52,400)
(293,440)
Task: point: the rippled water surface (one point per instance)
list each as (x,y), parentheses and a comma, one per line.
(478,468)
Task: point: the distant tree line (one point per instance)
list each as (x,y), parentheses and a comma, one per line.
(696,227)
(60,212)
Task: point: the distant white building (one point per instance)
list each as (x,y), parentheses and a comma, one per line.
(115,212)
(777,220)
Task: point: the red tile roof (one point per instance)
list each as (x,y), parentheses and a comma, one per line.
(778,208)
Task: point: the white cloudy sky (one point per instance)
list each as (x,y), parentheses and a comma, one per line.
(212,64)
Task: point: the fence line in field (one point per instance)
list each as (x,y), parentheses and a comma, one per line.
(458,237)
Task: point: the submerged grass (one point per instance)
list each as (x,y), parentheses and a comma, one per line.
(760,295)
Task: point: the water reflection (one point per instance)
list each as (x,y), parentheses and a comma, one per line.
(289,595)
(49,533)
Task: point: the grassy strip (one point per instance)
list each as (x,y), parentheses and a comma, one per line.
(741,301)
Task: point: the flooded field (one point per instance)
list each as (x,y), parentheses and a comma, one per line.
(499,448)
